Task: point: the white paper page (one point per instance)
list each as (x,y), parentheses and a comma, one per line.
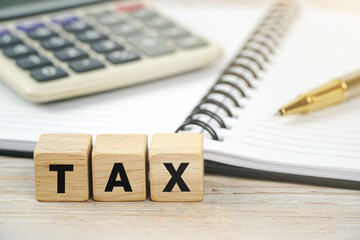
(322,45)
(149,108)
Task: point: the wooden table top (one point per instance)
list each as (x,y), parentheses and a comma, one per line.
(233,208)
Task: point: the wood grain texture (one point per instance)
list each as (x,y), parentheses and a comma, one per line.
(233,208)
(130,151)
(69,149)
(176,149)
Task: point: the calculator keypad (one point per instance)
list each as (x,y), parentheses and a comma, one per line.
(41,33)
(30,25)
(48,73)
(64,19)
(33,61)
(85,65)
(131,31)
(111,19)
(106,46)
(8,40)
(151,46)
(96,12)
(158,22)
(56,43)
(70,53)
(76,26)
(19,50)
(91,36)
(117,57)
(173,32)
(143,13)
(125,29)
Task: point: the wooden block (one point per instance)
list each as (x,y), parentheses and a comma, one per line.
(176,167)
(61,163)
(118,167)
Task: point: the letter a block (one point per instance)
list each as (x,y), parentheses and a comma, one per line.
(61,163)
(118,167)
(176,167)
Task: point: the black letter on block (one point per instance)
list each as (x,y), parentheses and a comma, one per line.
(176,177)
(118,168)
(61,169)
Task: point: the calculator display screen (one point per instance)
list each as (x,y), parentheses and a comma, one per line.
(12,9)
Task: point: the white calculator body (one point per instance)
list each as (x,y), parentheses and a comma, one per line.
(91,46)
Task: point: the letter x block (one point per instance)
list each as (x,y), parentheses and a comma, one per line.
(176,167)
(61,163)
(118,167)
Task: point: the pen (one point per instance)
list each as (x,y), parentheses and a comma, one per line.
(333,92)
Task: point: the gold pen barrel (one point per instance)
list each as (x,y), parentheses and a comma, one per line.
(352,82)
(330,93)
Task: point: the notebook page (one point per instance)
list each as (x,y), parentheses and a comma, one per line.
(159,106)
(321,46)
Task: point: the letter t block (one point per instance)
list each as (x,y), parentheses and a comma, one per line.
(61,163)
(176,167)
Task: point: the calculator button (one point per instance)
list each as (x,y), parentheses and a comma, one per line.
(33,61)
(85,65)
(125,29)
(173,32)
(56,43)
(4,31)
(18,50)
(41,33)
(143,13)
(129,7)
(8,39)
(65,18)
(111,19)
(190,42)
(97,12)
(117,57)
(152,46)
(48,73)
(29,25)
(76,26)
(91,36)
(70,53)
(158,22)
(106,46)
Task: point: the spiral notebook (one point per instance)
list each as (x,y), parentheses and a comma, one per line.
(237,113)
(289,51)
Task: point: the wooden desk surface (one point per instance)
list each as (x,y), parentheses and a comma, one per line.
(233,208)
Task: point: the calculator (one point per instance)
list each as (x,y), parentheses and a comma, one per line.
(53,50)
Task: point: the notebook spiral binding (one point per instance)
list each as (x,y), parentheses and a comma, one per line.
(256,52)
